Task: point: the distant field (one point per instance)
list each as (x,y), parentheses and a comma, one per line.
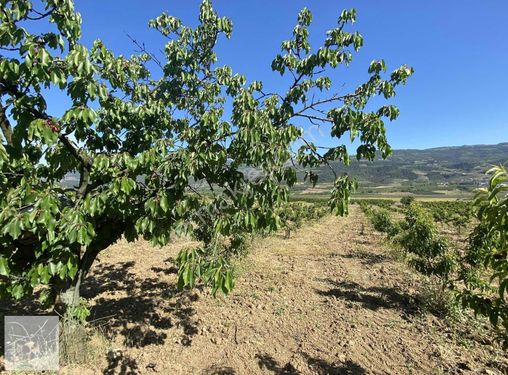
(422,172)
(417,197)
(426,191)
(449,196)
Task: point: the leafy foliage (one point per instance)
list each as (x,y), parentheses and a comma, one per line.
(294,214)
(420,239)
(485,271)
(386,204)
(206,266)
(480,274)
(378,212)
(457,213)
(382,222)
(407,200)
(142,131)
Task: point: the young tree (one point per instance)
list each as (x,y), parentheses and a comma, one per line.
(429,252)
(140,143)
(485,266)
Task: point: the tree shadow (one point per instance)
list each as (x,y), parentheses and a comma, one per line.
(318,365)
(172,269)
(365,257)
(373,298)
(219,370)
(324,368)
(122,365)
(266,361)
(132,308)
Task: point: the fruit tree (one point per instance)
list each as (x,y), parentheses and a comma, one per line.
(143,132)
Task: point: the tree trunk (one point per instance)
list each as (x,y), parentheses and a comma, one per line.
(69,295)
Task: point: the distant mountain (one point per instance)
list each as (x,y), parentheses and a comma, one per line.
(461,168)
(427,171)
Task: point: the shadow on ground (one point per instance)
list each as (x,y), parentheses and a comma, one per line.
(120,364)
(372,298)
(318,365)
(366,258)
(139,309)
(219,370)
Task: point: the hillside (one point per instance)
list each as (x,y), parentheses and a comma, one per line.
(430,171)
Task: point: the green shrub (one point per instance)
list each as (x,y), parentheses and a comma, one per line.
(485,267)
(387,204)
(439,301)
(429,253)
(407,200)
(294,214)
(456,213)
(382,222)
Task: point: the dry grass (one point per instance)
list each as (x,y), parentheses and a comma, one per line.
(83,349)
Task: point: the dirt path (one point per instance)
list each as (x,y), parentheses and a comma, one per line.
(326,301)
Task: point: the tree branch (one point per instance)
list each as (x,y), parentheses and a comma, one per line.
(14,91)
(320,157)
(40,14)
(5,125)
(142,48)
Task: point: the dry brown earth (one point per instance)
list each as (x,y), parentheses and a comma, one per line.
(329,300)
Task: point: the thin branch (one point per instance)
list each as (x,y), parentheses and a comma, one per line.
(40,14)
(320,157)
(143,49)
(10,49)
(14,91)
(312,118)
(195,191)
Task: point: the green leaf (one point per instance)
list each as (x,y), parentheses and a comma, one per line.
(44,274)
(17,291)
(53,269)
(164,203)
(13,228)
(4,266)
(62,272)
(228,284)
(45,130)
(127,185)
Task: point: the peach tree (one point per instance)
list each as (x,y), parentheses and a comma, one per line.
(161,143)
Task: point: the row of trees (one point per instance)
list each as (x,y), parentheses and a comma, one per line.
(142,131)
(479,275)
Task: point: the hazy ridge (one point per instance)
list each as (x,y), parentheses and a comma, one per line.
(425,171)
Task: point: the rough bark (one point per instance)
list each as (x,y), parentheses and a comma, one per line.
(5,125)
(69,294)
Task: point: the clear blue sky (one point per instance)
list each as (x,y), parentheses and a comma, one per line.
(458,48)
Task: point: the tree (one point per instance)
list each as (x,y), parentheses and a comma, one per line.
(485,266)
(429,252)
(143,131)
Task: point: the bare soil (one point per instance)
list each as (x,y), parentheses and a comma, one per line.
(329,300)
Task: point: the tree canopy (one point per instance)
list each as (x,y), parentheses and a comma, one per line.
(143,131)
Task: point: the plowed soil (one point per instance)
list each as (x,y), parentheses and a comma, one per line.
(329,300)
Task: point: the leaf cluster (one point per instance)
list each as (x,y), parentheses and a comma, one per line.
(156,152)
